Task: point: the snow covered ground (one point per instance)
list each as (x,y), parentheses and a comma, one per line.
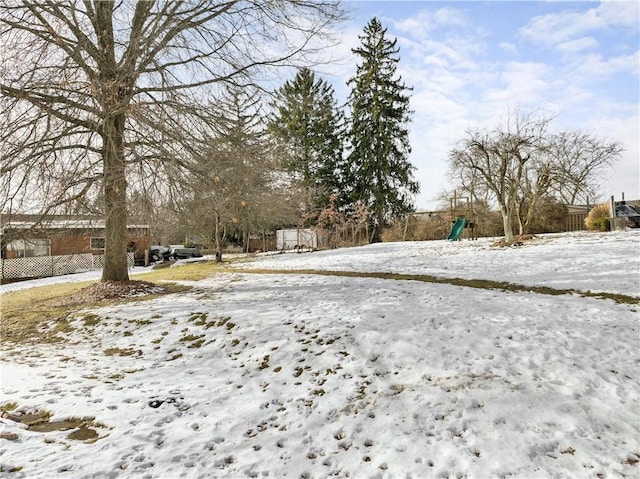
(302,375)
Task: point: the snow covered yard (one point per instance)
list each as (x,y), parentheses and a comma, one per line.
(307,375)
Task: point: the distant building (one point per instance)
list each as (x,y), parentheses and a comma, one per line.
(23,236)
(576,214)
(296,238)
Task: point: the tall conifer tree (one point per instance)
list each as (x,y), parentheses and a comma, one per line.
(308,124)
(379,173)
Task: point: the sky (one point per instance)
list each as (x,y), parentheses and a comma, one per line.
(472,63)
(254,375)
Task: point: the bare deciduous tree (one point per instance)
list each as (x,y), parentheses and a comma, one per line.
(581,161)
(535,184)
(522,165)
(238,183)
(497,160)
(91,88)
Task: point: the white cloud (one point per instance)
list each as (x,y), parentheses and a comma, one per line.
(623,13)
(342,66)
(435,61)
(595,65)
(450,17)
(455,45)
(422,24)
(625,175)
(455,55)
(560,28)
(568,96)
(524,84)
(577,45)
(552,29)
(508,47)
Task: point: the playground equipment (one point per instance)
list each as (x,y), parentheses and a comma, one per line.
(457,229)
(463,221)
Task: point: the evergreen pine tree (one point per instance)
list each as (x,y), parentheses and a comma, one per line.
(308,123)
(379,173)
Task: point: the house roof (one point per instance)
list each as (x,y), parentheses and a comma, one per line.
(579,209)
(62,224)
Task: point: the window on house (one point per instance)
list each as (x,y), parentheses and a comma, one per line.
(28,248)
(97,243)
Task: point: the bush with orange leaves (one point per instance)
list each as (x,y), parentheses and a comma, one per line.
(598,218)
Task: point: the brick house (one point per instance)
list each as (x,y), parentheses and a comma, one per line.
(29,235)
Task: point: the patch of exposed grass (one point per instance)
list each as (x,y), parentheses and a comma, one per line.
(265,362)
(90,319)
(222,321)
(82,426)
(191,271)
(60,325)
(632,459)
(189,338)
(200,319)
(25,312)
(122,352)
(10,406)
(140,322)
(196,344)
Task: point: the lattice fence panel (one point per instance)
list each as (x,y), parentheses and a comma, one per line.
(73,263)
(98,261)
(46,266)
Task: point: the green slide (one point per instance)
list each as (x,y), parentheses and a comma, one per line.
(456,229)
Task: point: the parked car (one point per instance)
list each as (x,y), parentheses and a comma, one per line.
(630,213)
(156,253)
(184,253)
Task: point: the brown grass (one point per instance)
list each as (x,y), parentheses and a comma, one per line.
(23,313)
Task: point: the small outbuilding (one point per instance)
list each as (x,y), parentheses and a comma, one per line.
(296,238)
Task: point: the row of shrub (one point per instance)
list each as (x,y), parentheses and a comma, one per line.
(550,219)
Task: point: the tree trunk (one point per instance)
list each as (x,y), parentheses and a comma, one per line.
(376,234)
(111,94)
(115,199)
(520,222)
(507,224)
(218,247)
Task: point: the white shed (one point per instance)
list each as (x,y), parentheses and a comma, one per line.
(296,238)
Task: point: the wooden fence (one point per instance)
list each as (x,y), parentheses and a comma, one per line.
(575,222)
